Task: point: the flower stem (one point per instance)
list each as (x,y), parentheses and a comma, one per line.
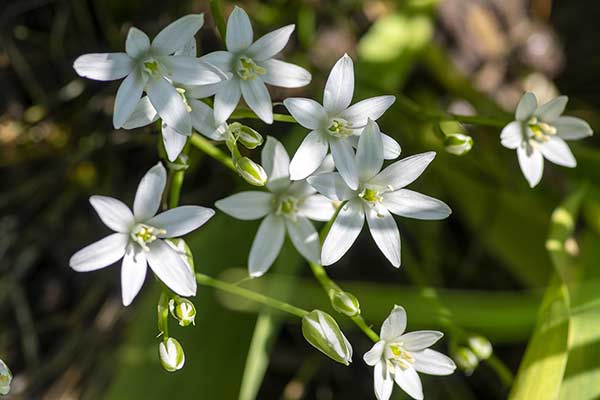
(217,13)
(211,150)
(249,294)
(175,190)
(503,372)
(241,114)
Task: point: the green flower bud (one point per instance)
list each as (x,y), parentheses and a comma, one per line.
(344,302)
(323,333)
(458,144)
(171,355)
(247,136)
(465,359)
(182,310)
(481,346)
(5,378)
(252,172)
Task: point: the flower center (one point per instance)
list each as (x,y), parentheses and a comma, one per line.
(339,127)
(396,355)
(288,207)
(248,70)
(541,130)
(151,67)
(144,234)
(370,195)
(181,92)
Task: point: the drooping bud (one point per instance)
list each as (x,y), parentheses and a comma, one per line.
(458,144)
(182,310)
(323,333)
(344,302)
(247,136)
(252,172)
(465,359)
(5,378)
(171,355)
(481,347)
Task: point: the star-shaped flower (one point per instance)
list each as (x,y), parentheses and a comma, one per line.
(288,207)
(252,65)
(398,356)
(336,125)
(138,238)
(540,132)
(377,196)
(152,67)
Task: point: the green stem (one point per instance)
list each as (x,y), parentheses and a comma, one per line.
(242,114)
(175,190)
(251,295)
(211,150)
(503,372)
(217,13)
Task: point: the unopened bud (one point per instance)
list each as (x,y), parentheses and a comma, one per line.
(345,303)
(481,346)
(458,144)
(252,172)
(247,136)
(323,333)
(182,310)
(465,359)
(5,378)
(171,355)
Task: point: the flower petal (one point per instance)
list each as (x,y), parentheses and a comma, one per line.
(189,49)
(344,159)
(181,220)
(407,203)
(143,114)
(266,246)
(512,135)
(331,185)
(177,34)
(190,70)
(276,163)
(403,172)
(374,355)
(419,340)
(169,267)
(203,91)
(385,232)
(305,238)
(358,114)
(309,156)
(270,44)
(133,273)
(103,66)
(532,164)
(339,88)
(100,254)
(247,205)
(382,382)
(557,151)
(258,99)
(343,232)
(149,193)
(173,141)
(409,381)
(526,107)
(137,42)
(369,154)
(239,31)
(203,119)
(307,112)
(394,325)
(114,213)
(572,128)
(284,74)
(391,148)
(128,97)
(226,100)
(552,109)
(316,207)
(169,105)
(433,363)
(221,59)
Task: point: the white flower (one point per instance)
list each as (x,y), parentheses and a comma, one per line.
(253,65)
(336,125)
(138,238)
(398,356)
(289,206)
(377,195)
(540,132)
(171,355)
(152,67)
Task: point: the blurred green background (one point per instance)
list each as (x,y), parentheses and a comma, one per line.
(66,335)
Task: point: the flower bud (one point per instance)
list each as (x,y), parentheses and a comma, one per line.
(171,355)
(252,172)
(481,347)
(182,310)
(5,378)
(465,359)
(458,144)
(345,303)
(247,136)
(323,333)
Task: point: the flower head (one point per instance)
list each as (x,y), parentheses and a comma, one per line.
(139,238)
(336,125)
(171,355)
(288,206)
(153,67)
(252,65)
(540,132)
(377,196)
(398,356)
